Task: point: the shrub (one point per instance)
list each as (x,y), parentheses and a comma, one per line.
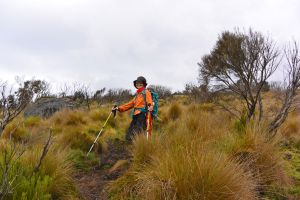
(53,180)
(56,166)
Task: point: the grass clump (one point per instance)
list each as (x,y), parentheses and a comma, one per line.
(32,121)
(81,161)
(17,131)
(181,164)
(69,118)
(175,111)
(75,138)
(182,172)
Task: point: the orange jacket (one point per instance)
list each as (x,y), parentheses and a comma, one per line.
(137,102)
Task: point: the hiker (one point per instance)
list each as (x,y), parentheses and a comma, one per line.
(140,109)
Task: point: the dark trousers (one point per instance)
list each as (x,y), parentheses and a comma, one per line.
(137,126)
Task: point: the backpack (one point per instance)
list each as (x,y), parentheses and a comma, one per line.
(155,97)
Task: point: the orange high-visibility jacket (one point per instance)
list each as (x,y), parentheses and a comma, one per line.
(137,102)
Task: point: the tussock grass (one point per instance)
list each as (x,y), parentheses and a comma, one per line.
(32,121)
(175,111)
(56,166)
(291,128)
(80,161)
(98,114)
(53,180)
(180,164)
(201,156)
(17,131)
(196,152)
(69,117)
(75,138)
(266,159)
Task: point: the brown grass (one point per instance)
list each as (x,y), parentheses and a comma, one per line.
(180,164)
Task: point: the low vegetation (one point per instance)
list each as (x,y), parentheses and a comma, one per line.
(230,137)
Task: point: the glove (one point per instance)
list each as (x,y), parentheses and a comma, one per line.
(115,108)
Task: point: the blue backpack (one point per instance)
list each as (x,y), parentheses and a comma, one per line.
(155,97)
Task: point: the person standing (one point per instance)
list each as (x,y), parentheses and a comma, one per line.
(141,105)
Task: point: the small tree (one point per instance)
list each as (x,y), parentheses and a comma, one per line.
(117,95)
(163,91)
(197,93)
(64,90)
(98,96)
(292,84)
(242,63)
(78,92)
(13,103)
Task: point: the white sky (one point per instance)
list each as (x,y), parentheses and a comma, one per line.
(108,43)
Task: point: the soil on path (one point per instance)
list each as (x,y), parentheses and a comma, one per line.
(91,185)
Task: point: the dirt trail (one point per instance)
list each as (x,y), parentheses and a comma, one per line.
(91,184)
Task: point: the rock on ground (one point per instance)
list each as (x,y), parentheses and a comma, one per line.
(47,106)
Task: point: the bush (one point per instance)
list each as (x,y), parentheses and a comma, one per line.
(56,166)
(53,180)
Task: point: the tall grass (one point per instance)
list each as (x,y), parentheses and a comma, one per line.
(174,111)
(196,152)
(201,156)
(180,164)
(53,180)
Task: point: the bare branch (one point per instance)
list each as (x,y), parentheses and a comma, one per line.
(44,153)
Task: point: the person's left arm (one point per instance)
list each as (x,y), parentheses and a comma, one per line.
(149,100)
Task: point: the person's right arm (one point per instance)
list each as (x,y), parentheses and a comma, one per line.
(126,106)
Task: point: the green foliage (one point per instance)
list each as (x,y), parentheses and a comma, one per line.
(240,124)
(81,161)
(33,188)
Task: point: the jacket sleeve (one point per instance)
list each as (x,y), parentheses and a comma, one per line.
(126,106)
(149,98)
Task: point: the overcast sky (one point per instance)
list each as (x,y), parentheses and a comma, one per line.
(108,43)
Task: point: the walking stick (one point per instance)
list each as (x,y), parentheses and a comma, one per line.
(112,112)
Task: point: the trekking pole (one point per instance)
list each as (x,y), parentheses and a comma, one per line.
(148,122)
(112,112)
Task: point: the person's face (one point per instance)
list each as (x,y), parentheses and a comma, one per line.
(139,85)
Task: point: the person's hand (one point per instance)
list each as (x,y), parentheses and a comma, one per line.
(115,108)
(150,108)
